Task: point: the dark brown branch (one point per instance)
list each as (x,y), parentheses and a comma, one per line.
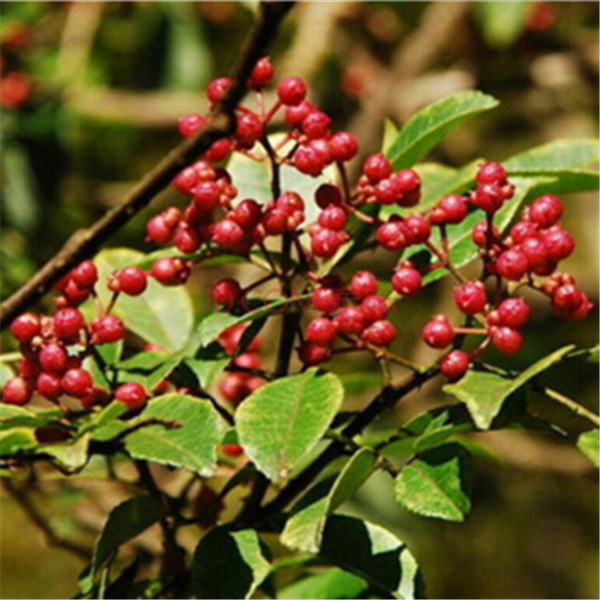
(84,243)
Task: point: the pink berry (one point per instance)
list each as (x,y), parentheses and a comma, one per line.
(391,235)
(374,308)
(377,167)
(291,91)
(220,150)
(249,130)
(132,281)
(380,333)
(228,234)
(343,146)
(326,300)
(470,297)
(491,173)
(363,284)
(76,382)
(133,395)
(454,364)
(325,243)
(68,322)
(187,239)
(438,333)
(170,271)
(17,391)
(546,210)
(107,329)
(313,354)
(217,89)
(406,280)
(559,243)
(507,340)
(262,73)
(191,124)
(333,217)
(321,331)
(25,327)
(227,293)
(158,232)
(350,320)
(48,385)
(53,358)
(512,264)
(514,312)
(85,275)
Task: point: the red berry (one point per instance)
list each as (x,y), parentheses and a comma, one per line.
(247,214)
(512,264)
(294,115)
(582,311)
(567,298)
(374,308)
(546,210)
(480,233)
(249,360)
(386,192)
(132,281)
(559,243)
(454,208)
(454,364)
(343,146)
(48,385)
(107,329)
(220,150)
(406,280)
(262,73)
(535,250)
(377,167)
(291,91)
(207,195)
(408,182)
(85,275)
(328,194)
(191,124)
(227,293)
(76,382)
(187,239)
(321,331)
(232,449)
(217,89)
(488,198)
(158,232)
(170,271)
(290,203)
(25,327)
(491,173)
(133,395)
(68,323)
(234,387)
(275,221)
(522,230)
(470,297)
(75,295)
(380,333)
(230,339)
(438,333)
(333,217)
(326,300)
(391,235)
(316,124)
(307,160)
(514,312)
(350,320)
(507,340)
(16,391)
(53,358)
(313,354)
(416,229)
(325,242)
(29,367)
(228,234)
(249,130)
(363,284)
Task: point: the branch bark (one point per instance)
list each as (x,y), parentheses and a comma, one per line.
(84,243)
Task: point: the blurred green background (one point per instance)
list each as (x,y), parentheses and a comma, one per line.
(94,104)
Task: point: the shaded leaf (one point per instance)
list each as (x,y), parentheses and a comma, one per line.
(280,422)
(228,564)
(437,483)
(331,583)
(72,455)
(589,444)
(15,440)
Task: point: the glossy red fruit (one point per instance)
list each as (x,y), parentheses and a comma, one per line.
(29,367)
(470,297)
(546,210)
(343,146)
(262,73)
(363,284)
(480,233)
(187,239)
(512,264)
(249,130)
(380,333)
(219,151)
(535,250)
(85,275)
(377,167)
(507,340)
(53,358)
(217,89)
(386,192)
(374,308)
(328,194)
(488,198)
(17,391)
(132,281)
(227,293)
(77,382)
(158,231)
(406,280)
(560,244)
(491,173)
(325,242)
(416,229)
(522,230)
(108,329)
(454,208)
(191,124)
(275,221)
(333,217)
(326,300)
(291,91)
(170,271)
(247,214)
(313,354)
(234,387)
(294,115)
(232,449)
(133,395)
(391,235)
(454,364)
(567,298)
(350,320)
(25,327)
(68,322)
(315,125)
(48,385)
(309,161)
(514,312)
(438,333)
(207,195)
(321,331)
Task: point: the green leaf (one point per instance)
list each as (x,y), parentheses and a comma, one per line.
(72,455)
(206,370)
(429,126)
(304,530)
(125,521)
(19,416)
(228,564)
(502,23)
(283,420)
(589,444)
(193,445)
(142,361)
(6,373)
(390,132)
(107,415)
(484,393)
(15,440)
(437,483)
(561,155)
(372,553)
(331,583)
(161,315)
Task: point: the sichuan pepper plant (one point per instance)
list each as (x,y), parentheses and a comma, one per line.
(202,404)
